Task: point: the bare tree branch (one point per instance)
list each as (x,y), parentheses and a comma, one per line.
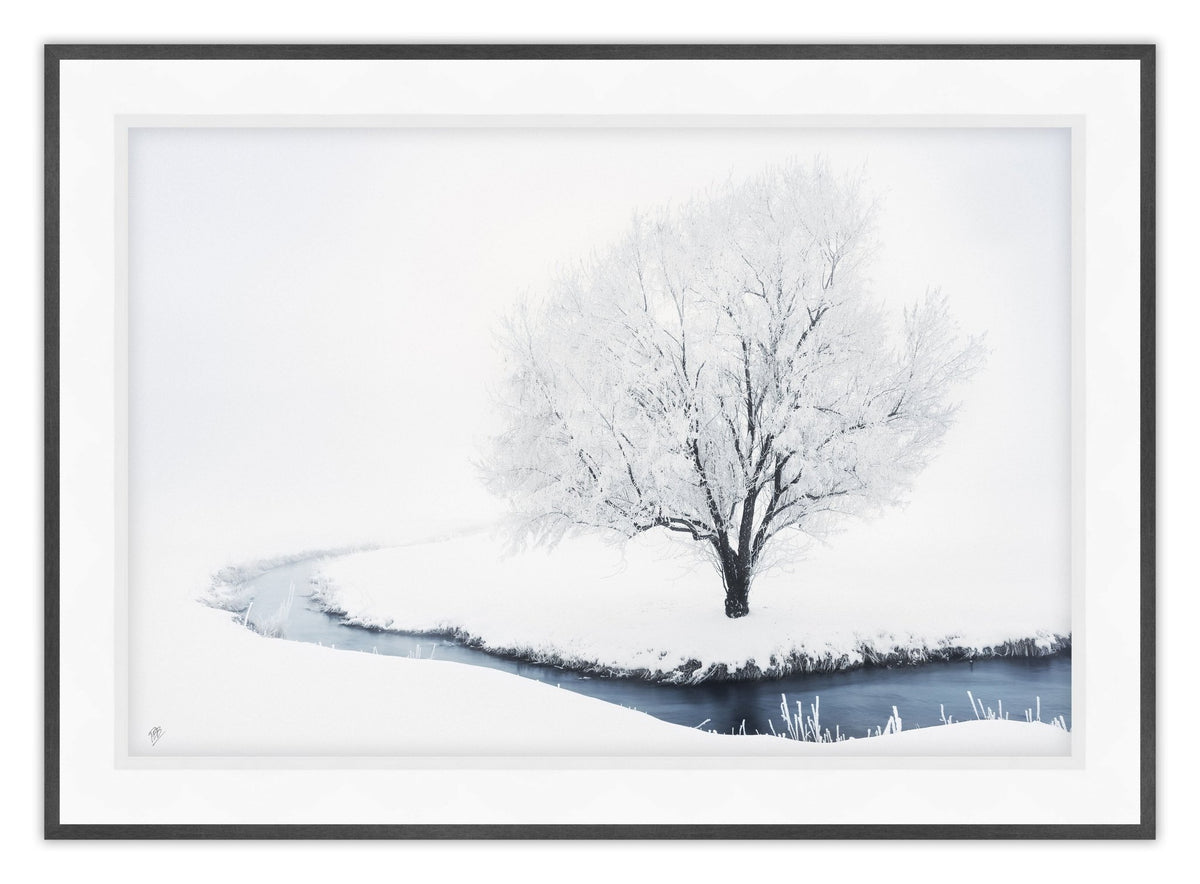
(724,373)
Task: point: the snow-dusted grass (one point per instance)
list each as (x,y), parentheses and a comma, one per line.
(806,727)
(653,611)
(227,589)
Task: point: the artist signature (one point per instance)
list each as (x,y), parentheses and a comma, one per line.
(156,734)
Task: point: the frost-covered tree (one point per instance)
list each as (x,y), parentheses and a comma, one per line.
(724,372)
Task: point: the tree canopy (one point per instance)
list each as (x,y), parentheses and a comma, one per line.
(724,372)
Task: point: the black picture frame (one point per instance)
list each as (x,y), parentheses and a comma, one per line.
(55,54)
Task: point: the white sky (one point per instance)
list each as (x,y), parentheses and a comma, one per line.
(311,314)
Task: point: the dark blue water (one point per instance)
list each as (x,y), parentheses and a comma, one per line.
(854,701)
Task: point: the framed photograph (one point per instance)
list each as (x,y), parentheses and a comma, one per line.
(646,441)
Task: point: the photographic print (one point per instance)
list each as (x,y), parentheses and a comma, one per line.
(606,442)
(758,439)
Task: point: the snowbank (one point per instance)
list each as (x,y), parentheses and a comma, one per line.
(652,611)
(237,693)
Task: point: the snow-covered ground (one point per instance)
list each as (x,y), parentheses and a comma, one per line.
(654,608)
(237,693)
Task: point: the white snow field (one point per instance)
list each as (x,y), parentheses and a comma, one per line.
(655,609)
(240,694)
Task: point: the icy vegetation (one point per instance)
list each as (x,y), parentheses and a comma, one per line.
(227,589)
(805,727)
(726,372)
(645,611)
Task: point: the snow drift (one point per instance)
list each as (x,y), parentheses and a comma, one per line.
(650,611)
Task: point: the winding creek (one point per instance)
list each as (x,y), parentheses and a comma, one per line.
(856,701)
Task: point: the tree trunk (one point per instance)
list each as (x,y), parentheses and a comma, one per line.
(736,573)
(737,593)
